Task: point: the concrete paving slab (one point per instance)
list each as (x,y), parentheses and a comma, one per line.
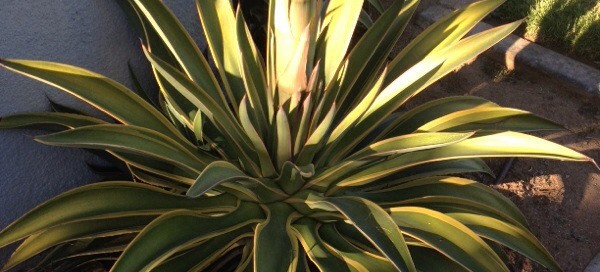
(594,265)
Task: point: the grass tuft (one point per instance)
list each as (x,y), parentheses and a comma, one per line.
(571,26)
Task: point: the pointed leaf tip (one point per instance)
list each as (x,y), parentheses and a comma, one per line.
(591,160)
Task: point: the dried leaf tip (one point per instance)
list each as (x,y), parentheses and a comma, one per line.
(142,44)
(595,163)
(238,8)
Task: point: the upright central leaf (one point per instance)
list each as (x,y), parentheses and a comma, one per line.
(336,32)
(293,35)
(218,21)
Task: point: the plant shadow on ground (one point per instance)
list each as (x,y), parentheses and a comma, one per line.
(571,27)
(558,198)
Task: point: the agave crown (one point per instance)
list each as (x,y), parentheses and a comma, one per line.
(294,161)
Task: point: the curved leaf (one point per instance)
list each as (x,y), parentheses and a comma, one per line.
(490,119)
(214,174)
(160,181)
(158,168)
(302,130)
(317,138)
(505,144)
(275,235)
(292,176)
(39,242)
(247,259)
(408,143)
(253,92)
(377,226)
(131,139)
(411,120)
(388,100)
(441,168)
(449,237)
(325,260)
(67,120)
(450,204)
(349,120)
(99,91)
(95,251)
(178,230)
(253,68)
(203,254)
(387,148)
(181,46)
(514,237)
(360,259)
(421,75)
(107,200)
(448,187)
(176,105)
(222,172)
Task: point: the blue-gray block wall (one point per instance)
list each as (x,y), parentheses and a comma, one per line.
(93,34)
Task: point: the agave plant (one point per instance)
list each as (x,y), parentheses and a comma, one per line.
(298,161)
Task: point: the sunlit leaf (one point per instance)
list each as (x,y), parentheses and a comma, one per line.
(449,236)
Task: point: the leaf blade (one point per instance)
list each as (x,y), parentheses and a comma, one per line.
(338,25)
(378,227)
(360,259)
(131,139)
(516,238)
(177,230)
(274,235)
(504,144)
(219,25)
(182,46)
(90,201)
(39,242)
(306,231)
(214,174)
(67,120)
(106,94)
(449,237)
